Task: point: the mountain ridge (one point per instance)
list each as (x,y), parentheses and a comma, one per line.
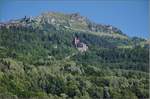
(52,57)
(49,17)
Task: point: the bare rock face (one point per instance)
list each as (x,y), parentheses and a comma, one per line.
(77,17)
(103,28)
(69,21)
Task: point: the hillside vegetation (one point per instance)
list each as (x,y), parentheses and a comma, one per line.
(40,59)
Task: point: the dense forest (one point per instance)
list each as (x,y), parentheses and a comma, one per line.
(39,60)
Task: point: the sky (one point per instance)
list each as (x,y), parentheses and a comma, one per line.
(131,16)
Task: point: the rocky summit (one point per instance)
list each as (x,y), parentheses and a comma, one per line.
(72,21)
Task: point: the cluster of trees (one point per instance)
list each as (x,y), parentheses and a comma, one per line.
(66,79)
(132,59)
(44,63)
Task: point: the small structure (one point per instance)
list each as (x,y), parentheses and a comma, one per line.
(76,41)
(82,47)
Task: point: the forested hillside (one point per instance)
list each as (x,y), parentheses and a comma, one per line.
(66,56)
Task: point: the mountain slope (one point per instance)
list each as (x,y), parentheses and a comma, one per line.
(57,55)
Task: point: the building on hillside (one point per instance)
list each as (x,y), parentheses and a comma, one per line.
(82,47)
(76,41)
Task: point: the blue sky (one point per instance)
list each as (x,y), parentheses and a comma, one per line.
(131,16)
